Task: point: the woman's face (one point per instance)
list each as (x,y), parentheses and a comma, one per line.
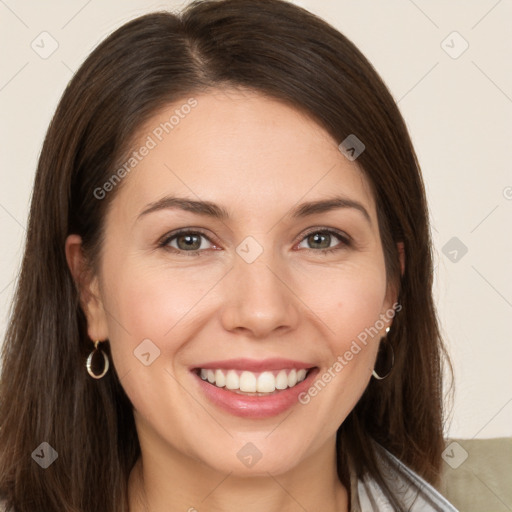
(273,287)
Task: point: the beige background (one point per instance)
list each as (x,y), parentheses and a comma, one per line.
(458,107)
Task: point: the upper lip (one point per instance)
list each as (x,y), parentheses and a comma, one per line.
(254,365)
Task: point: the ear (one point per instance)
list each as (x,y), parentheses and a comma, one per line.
(393,289)
(88,286)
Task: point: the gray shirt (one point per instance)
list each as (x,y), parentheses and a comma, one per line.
(415,493)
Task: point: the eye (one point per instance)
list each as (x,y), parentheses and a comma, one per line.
(189,242)
(321,239)
(186,241)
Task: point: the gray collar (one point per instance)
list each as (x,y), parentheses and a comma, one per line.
(413,492)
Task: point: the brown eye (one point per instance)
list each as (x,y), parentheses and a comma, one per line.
(191,241)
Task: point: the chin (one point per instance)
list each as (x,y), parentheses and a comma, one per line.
(253,459)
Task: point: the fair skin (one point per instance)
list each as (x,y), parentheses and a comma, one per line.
(259,159)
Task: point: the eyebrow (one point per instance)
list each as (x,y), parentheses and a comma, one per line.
(213,210)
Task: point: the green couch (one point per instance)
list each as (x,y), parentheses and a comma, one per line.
(477,474)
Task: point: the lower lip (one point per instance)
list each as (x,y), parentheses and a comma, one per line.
(255,406)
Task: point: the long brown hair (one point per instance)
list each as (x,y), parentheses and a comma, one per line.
(269,46)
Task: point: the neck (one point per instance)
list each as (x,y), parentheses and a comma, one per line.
(180,484)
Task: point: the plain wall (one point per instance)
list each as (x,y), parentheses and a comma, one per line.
(458,107)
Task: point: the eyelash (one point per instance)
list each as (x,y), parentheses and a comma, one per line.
(164,243)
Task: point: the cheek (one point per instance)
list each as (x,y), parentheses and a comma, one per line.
(360,321)
(150,317)
(348,300)
(351,307)
(358,311)
(146,302)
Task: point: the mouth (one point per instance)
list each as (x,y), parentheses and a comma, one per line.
(248,383)
(252,389)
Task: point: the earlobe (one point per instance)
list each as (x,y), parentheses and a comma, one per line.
(88,288)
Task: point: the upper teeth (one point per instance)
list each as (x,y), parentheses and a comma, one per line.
(250,382)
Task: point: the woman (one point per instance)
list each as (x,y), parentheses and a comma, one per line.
(225,301)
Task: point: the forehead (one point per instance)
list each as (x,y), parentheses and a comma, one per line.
(239,149)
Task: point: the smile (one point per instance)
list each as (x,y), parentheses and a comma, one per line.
(251,388)
(248,382)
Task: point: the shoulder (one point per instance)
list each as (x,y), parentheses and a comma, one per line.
(415,493)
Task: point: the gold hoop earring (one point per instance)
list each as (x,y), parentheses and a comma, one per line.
(88,363)
(390,356)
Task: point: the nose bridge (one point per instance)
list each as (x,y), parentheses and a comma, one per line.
(258,298)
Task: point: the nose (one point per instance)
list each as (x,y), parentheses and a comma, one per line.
(259,298)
